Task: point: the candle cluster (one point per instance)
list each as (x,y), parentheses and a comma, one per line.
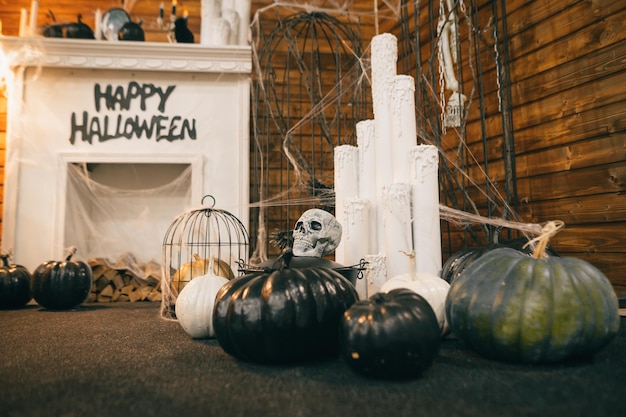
(28,20)
(222,22)
(387,187)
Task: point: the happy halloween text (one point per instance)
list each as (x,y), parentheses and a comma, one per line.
(159,126)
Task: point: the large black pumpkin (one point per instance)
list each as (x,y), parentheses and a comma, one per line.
(282,315)
(62,285)
(392,335)
(15,285)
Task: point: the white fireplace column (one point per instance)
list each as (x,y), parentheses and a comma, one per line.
(119,102)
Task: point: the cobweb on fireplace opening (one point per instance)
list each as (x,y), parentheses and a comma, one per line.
(131,216)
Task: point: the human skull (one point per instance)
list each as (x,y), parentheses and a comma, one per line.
(316,233)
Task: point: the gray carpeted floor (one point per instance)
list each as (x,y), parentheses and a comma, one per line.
(122,359)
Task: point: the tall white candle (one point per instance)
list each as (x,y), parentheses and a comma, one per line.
(209,10)
(397,227)
(346,159)
(384,56)
(243,10)
(23,31)
(34,10)
(355,237)
(366,137)
(425,208)
(375,273)
(98,25)
(355,231)
(220,32)
(232,18)
(404,128)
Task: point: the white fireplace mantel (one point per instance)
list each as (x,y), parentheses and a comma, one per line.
(56,95)
(146,56)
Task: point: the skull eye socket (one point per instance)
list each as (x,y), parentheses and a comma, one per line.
(316,225)
(298,226)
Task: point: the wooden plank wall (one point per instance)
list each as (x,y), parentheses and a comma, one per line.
(568,84)
(568,61)
(569,79)
(3,146)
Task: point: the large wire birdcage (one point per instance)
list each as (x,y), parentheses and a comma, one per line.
(195,240)
(307,98)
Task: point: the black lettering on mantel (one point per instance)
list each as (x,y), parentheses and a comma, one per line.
(156,125)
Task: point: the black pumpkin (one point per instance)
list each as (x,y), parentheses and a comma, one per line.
(303,262)
(78,30)
(282,315)
(131,31)
(391,335)
(460,260)
(53,31)
(62,285)
(15,285)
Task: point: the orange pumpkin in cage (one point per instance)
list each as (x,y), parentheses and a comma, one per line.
(199,267)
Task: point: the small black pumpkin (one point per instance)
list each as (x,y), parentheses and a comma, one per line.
(282,314)
(15,285)
(131,31)
(393,335)
(62,285)
(78,30)
(53,31)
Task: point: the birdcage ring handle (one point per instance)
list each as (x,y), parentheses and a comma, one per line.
(209,196)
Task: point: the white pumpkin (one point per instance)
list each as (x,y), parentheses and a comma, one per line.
(194,305)
(430,286)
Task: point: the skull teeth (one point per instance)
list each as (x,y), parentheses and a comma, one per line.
(304,243)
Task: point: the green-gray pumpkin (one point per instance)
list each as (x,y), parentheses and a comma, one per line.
(510,306)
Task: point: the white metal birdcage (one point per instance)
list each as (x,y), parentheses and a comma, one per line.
(192,240)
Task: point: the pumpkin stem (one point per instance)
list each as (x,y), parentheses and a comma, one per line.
(378,298)
(412,267)
(70,252)
(5,259)
(282,262)
(211,266)
(550,229)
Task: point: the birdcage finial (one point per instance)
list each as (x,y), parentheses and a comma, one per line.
(211,197)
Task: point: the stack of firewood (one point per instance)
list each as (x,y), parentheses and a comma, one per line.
(124,280)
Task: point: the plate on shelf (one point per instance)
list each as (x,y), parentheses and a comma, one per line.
(112,22)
